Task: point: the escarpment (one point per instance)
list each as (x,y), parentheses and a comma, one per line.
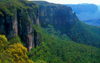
(63,19)
(60,16)
(19,20)
(24,18)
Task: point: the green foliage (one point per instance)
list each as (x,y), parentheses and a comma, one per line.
(9,6)
(40,61)
(55,49)
(15,39)
(85,34)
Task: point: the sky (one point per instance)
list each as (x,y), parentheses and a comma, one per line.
(71,1)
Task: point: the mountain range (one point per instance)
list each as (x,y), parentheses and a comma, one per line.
(87,12)
(43,32)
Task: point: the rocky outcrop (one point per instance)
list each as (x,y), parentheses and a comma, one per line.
(8,25)
(21,23)
(60,16)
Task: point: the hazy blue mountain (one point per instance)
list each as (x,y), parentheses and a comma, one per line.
(95,22)
(79,8)
(85,11)
(88,15)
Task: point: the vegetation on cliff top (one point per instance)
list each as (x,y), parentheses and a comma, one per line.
(10,5)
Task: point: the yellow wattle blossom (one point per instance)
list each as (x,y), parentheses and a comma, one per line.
(0,60)
(14,53)
(19,53)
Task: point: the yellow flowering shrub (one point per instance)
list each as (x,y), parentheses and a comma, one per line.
(19,53)
(3,42)
(5,54)
(14,53)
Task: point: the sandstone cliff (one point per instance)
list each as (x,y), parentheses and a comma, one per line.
(23,19)
(60,16)
(20,22)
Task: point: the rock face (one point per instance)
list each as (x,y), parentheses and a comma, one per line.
(21,23)
(8,25)
(25,19)
(60,16)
